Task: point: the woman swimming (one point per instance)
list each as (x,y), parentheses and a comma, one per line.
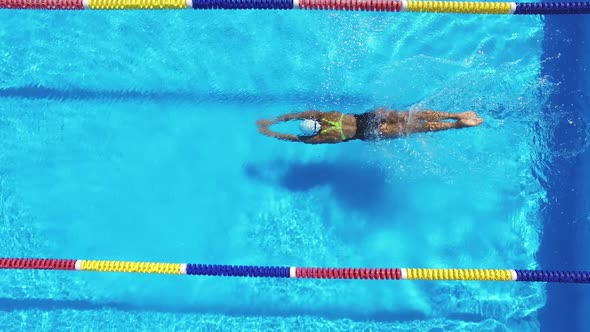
(335,127)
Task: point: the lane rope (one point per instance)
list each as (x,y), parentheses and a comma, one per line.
(296,272)
(456,7)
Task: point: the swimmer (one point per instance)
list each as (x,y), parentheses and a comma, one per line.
(333,127)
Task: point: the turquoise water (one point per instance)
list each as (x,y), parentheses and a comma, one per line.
(132,136)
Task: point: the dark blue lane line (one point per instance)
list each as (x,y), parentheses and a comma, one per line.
(565,38)
(226,309)
(73,93)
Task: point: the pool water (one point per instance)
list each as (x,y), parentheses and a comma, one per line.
(132,136)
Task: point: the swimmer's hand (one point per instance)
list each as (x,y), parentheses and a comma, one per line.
(264,127)
(263,123)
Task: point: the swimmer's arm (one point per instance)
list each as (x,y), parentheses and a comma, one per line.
(264,128)
(301,115)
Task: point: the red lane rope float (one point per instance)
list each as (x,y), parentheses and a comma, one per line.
(356,5)
(42,4)
(348,273)
(38,264)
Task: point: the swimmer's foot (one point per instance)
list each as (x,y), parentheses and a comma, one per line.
(466,115)
(469,122)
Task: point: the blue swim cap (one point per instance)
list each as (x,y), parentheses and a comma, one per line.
(309,127)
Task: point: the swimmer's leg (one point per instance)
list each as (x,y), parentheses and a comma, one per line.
(422,127)
(399,124)
(433,116)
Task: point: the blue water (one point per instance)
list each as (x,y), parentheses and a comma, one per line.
(132,136)
(567,211)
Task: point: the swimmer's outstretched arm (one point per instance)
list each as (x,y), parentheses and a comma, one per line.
(300,115)
(264,128)
(264,125)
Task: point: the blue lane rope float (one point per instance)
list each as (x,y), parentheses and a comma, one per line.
(297,272)
(463,7)
(531,8)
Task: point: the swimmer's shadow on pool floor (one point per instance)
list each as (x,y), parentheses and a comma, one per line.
(361,187)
